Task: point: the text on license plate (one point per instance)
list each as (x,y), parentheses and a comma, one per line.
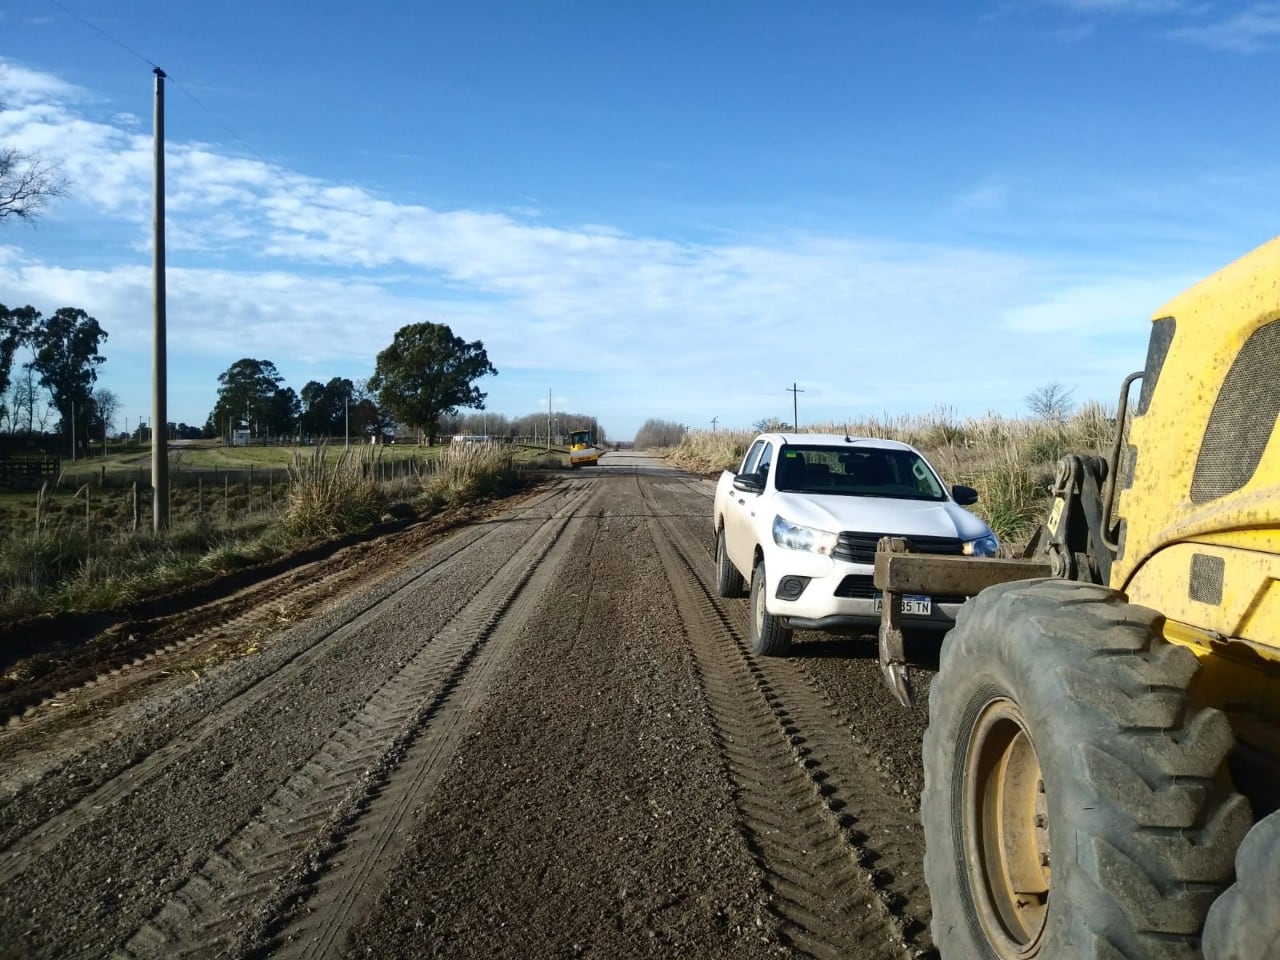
(909,604)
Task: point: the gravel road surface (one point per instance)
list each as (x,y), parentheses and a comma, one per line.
(528,732)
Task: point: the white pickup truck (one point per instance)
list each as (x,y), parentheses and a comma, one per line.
(800,520)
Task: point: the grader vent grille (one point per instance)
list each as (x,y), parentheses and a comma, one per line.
(1206,578)
(1242,420)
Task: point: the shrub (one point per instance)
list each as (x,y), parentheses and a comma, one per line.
(329,498)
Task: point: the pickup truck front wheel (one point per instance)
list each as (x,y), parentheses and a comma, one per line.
(728,579)
(768,636)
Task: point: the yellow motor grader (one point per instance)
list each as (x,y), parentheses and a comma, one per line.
(1102,761)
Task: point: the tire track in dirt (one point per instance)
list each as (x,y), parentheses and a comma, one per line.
(174,642)
(315,855)
(240,702)
(839,853)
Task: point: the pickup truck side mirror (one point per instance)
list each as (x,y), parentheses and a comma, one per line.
(749,482)
(965,496)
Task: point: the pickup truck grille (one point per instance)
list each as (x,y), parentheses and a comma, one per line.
(859,586)
(861,547)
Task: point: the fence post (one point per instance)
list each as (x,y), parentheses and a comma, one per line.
(226,498)
(137,509)
(200,497)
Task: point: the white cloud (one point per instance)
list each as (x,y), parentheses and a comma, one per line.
(1121,7)
(1249,31)
(1100,308)
(317,276)
(20,86)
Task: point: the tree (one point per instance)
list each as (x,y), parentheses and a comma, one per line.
(247,394)
(771,425)
(655,434)
(1051,402)
(15,331)
(367,418)
(66,359)
(282,413)
(26,410)
(428,373)
(105,406)
(26,184)
(326,407)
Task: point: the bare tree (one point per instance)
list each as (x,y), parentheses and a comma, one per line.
(29,412)
(26,183)
(106,406)
(1051,402)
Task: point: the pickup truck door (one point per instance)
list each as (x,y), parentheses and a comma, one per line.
(740,514)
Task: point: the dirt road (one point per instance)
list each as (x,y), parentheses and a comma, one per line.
(538,735)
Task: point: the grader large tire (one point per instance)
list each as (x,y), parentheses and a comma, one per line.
(1244,923)
(1075,805)
(728,579)
(769,637)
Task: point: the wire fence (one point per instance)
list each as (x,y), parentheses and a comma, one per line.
(112,502)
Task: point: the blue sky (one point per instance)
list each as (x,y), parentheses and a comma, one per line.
(670,209)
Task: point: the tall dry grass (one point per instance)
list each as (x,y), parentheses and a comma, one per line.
(468,472)
(327,498)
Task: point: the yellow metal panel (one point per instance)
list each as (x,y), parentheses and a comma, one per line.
(1250,606)
(1213,320)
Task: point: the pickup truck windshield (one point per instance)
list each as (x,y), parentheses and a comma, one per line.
(856,472)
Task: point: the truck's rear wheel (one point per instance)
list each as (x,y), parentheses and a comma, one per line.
(768,636)
(1075,803)
(728,579)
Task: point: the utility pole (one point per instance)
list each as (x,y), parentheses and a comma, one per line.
(548,420)
(159,372)
(794,389)
(346,420)
(713,424)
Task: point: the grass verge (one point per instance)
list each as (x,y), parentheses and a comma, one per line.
(60,562)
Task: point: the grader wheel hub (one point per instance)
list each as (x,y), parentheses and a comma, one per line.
(1006,831)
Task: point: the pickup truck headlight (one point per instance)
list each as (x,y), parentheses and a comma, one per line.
(982,547)
(795,537)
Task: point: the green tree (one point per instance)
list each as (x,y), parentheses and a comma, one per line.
(428,373)
(283,412)
(326,406)
(65,348)
(246,394)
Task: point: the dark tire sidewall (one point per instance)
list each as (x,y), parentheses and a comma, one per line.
(768,637)
(728,580)
(1016,642)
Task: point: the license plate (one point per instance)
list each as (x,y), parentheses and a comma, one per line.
(909,605)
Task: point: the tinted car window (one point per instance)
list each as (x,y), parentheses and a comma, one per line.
(766,458)
(857,472)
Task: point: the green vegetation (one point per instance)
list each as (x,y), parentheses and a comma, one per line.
(74,547)
(428,373)
(1010,462)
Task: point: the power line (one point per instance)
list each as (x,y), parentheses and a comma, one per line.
(236,138)
(116,40)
